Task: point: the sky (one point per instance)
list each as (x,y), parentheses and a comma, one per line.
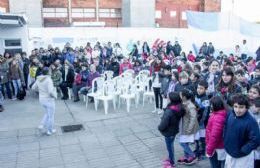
(247,9)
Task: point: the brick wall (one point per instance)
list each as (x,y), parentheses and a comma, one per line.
(4,4)
(179,6)
(55,3)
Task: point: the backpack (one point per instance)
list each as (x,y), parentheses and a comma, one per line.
(21,94)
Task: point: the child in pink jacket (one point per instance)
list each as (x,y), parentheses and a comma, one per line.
(214,133)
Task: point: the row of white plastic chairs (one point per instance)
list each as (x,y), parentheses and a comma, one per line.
(126,87)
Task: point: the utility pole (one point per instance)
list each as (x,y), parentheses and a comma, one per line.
(69,12)
(97,10)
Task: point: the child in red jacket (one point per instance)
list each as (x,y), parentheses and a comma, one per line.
(214,133)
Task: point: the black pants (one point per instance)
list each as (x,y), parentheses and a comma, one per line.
(257,163)
(215,163)
(158,97)
(200,147)
(64,88)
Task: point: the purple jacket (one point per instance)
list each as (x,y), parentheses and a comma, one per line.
(91,77)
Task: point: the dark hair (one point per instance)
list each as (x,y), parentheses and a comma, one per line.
(203,83)
(217,103)
(214,60)
(174,98)
(176,74)
(197,66)
(231,84)
(240,72)
(196,75)
(241,100)
(256,102)
(188,94)
(228,62)
(257,87)
(45,70)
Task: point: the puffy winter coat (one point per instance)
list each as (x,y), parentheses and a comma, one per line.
(189,121)
(214,131)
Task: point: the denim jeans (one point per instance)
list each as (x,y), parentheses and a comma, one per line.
(215,163)
(6,86)
(170,147)
(48,118)
(17,85)
(187,150)
(1,97)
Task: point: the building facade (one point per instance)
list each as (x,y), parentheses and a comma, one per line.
(4,6)
(116,13)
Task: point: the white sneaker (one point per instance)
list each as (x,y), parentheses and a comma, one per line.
(14,98)
(155,111)
(40,127)
(51,132)
(160,111)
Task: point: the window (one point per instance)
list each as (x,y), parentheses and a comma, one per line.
(13,46)
(55,12)
(158,14)
(83,12)
(3,10)
(173,13)
(183,16)
(110,13)
(13,43)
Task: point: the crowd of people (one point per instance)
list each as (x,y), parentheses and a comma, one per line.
(212,99)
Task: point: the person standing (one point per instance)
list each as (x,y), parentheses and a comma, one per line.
(47,96)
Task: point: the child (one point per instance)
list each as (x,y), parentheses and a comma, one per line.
(254,93)
(241,134)
(214,131)
(194,77)
(203,115)
(174,81)
(189,127)
(165,81)
(184,82)
(256,78)
(255,112)
(169,125)
(242,81)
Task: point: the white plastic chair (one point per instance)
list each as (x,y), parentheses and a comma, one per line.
(70,92)
(108,75)
(148,90)
(131,71)
(108,94)
(128,94)
(98,84)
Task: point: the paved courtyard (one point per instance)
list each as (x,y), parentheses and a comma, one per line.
(116,140)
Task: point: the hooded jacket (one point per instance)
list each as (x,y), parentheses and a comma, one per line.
(169,125)
(214,131)
(45,87)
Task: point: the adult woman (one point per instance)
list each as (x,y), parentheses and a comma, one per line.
(227,85)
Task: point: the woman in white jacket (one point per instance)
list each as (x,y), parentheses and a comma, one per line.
(47,96)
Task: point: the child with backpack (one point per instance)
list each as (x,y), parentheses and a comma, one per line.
(169,125)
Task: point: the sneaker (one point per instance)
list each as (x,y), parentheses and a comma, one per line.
(51,132)
(1,108)
(76,100)
(166,162)
(182,160)
(170,166)
(40,127)
(14,98)
(160,111)
(190,161)
(155,111)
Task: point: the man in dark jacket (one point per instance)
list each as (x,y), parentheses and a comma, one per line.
(176,49)
(241,134)
(67,79)
(26,65)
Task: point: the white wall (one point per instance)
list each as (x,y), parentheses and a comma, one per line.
(31,8)
(224,40)
(14,33)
